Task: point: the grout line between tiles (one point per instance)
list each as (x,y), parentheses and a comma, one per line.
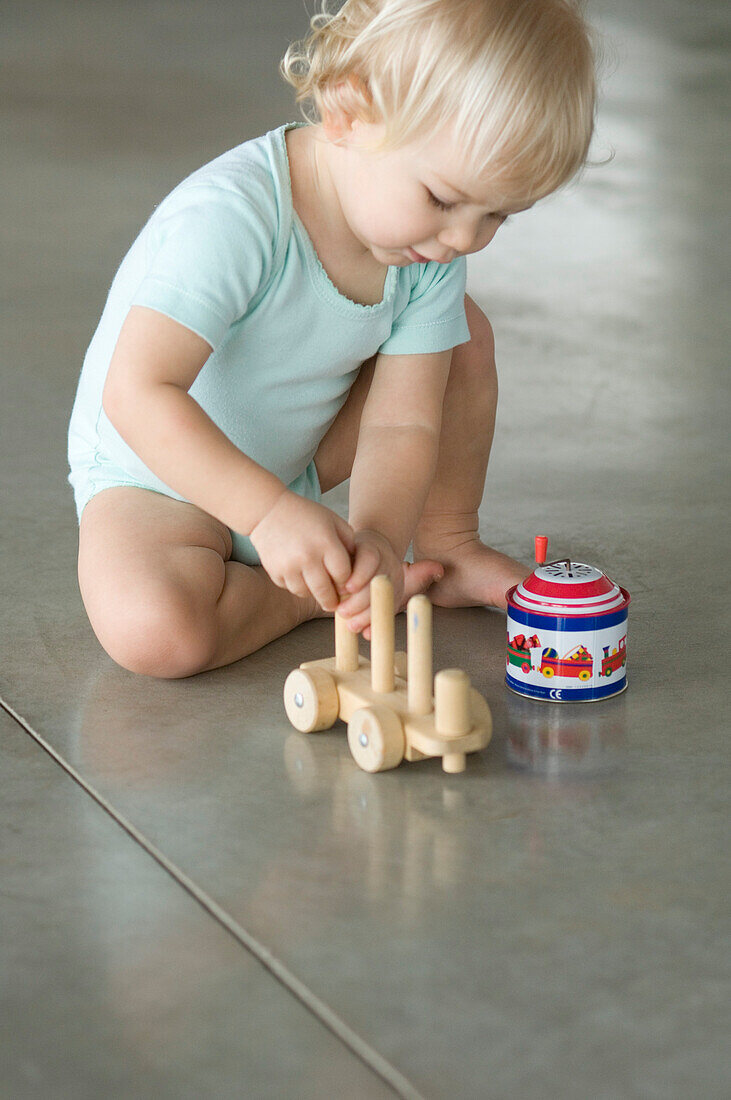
(358,1046)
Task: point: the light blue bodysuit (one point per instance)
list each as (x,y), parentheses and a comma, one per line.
(226,255)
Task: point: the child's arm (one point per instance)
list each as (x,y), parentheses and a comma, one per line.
(394,465)
(146,398)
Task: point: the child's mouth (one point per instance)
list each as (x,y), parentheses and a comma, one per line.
(417,257)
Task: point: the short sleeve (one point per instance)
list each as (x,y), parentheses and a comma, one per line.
(208,254)
(434,317)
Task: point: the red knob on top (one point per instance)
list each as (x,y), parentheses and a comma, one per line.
(541,548)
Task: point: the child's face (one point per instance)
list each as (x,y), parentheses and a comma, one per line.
(419,202)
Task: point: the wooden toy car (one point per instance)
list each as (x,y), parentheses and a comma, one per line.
(388,702)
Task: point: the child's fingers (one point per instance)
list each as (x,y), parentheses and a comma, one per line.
(355,604)
(322,588)
(345,534)
(339,565)
(360,622)
(358,592)
(365,567)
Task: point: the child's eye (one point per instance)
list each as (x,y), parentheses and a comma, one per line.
(438,202)
(501,219)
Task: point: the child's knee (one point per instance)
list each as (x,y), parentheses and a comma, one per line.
(158,634)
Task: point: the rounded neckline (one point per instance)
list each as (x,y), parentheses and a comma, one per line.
(321,280)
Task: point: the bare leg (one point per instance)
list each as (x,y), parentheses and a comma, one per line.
(161,593)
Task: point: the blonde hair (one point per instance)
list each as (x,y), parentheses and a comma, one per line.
(513,79)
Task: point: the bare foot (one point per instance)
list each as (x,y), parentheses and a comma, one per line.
(475,575)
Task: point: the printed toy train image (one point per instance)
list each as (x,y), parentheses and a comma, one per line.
(577,662)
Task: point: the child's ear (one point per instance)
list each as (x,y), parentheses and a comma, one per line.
(350,104)
(336,125)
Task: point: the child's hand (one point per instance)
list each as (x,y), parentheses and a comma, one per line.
(305,548)
(374,555)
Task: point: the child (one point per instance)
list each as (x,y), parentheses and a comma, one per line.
(293,314)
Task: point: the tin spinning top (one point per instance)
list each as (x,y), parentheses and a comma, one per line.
(567,632)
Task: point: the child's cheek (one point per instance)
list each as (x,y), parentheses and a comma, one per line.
(387,229)
(399,227)
(411,231)
(392,217)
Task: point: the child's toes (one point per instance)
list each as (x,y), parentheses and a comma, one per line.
(420,576)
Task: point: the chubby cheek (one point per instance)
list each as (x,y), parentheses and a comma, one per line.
(397,227)
(391,221)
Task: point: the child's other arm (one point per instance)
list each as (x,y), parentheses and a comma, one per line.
(146,398)
(398,444)
(394,466)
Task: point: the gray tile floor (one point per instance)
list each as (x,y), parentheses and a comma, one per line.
(217,905)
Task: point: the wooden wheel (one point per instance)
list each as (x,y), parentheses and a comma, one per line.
(376,738)
(311,700)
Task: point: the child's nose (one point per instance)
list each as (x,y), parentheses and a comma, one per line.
(457,238)
(469,237)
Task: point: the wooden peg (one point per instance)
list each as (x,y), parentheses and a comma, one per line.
(452,702)
(346,646)
(419,643)
(383,635)
(452,712)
